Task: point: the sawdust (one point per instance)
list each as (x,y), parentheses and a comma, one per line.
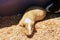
(48,29)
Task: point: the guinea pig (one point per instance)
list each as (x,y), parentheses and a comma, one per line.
(32,15)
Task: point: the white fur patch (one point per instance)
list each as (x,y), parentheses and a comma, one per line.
(27,20)
(29,27)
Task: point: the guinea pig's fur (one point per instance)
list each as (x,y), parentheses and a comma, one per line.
(30,17)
